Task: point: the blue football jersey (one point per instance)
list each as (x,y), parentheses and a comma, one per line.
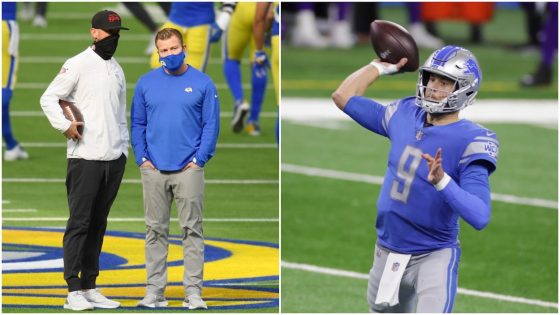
(412,216)
(191,14)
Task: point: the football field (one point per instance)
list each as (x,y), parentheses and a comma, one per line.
(241,199)
(332,169)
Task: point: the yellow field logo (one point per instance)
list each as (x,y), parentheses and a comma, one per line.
(237,274)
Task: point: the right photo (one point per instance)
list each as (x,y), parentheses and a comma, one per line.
(419,157)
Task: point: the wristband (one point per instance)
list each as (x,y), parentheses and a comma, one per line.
(443,182)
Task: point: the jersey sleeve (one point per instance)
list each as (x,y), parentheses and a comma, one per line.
(138,124)
(471,198)
(370,114)
(483,146)
(62,87)
(210,126)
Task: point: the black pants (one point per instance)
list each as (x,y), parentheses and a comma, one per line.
(91,188)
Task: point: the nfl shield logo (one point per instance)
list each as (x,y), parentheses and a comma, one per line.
(395,267)
(419,135)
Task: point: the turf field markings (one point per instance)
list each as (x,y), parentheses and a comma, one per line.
(138,181)
(219,145)
(6,202)
(535,111)
(18,210)
(122,60)
(378,180)
(56,219)
(129,86)
(365,276)
(37,113)
(59,37)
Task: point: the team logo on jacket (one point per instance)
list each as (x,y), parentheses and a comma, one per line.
(188,90)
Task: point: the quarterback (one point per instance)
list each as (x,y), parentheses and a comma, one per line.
(437,172)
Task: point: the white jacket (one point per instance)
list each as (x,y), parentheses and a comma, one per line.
(98,88)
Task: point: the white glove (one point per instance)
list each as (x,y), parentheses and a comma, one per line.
(383,68)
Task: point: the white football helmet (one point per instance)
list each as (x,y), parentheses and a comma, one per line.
(460,66)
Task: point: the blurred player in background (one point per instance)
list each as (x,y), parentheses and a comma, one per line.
(175,119)
(96,158)
(10,55)
(549,47)
(199,26)
(267,16)
(417,252)
(238,36)
(39,16)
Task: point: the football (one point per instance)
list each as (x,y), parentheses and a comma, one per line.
(392,42)
(72,113)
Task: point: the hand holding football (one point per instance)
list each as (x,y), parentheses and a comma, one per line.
(72,113)
(392,42)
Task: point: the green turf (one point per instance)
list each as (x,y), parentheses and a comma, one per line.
(305,71)
(221,200)
(331,223)
(343,293)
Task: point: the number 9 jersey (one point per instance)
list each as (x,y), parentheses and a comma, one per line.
(413,216)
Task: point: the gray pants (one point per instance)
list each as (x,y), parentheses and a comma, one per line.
(429,283)
(187,188)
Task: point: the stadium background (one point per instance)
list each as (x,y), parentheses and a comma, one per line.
(241,190)
(330,165)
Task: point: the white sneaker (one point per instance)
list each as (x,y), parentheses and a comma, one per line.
(153,301)
(39,21)
(239,113)
(305,32)
(194,302)
(17,153)
(423,38)
(77,302)
(97,299)
(341,35)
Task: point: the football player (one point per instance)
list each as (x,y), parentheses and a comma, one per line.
(10,42)
(199,26)
(268,16)
(437,173)
(240,35)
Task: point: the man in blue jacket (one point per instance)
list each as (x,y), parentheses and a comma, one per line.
(175,120)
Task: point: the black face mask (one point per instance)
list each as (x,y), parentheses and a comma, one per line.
(106,47)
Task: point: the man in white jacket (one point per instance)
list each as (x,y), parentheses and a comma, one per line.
(95,82)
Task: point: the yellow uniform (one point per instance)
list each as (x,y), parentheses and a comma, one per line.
(240,32)
(10,38)
(193,20)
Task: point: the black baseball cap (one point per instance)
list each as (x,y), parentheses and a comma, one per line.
(107,20)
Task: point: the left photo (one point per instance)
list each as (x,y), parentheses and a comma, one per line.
(140,157)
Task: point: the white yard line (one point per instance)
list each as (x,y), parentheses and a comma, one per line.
(539,112)
(378,180)
(365,276)
(219,145)
(129,86)
(38,113)
(18,210)
(138,181)
(56,219)
(59,60)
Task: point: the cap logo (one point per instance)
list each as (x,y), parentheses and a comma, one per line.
(113,18)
